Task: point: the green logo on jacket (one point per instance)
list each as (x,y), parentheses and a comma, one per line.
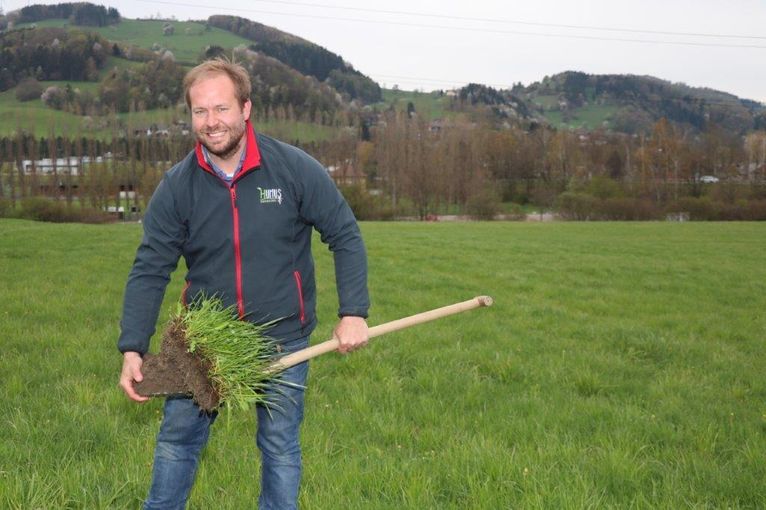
(271,196)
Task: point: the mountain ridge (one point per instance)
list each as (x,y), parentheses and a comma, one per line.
(289,70)
(619,102)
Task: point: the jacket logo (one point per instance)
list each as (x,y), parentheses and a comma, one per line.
(270,196)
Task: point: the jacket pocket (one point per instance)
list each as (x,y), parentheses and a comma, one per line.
(299,287)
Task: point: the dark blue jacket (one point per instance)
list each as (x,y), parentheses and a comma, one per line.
(248,242)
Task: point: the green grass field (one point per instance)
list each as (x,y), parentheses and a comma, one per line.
(428,104)
(188,41)
(622,366)
(36,118)
(588,117)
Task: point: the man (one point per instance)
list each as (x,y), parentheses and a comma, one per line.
(240,209)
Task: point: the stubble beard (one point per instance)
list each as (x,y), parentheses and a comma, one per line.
(236,135)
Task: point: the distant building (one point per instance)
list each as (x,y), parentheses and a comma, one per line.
(345,173)
(63,166)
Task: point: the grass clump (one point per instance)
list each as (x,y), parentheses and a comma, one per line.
(237,353)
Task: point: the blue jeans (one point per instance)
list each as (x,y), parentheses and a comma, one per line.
(185,430)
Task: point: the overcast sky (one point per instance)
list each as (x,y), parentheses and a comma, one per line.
(429,44)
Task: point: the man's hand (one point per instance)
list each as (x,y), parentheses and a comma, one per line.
(352,334)
(131,372)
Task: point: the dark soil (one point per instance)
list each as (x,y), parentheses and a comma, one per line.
(175,371)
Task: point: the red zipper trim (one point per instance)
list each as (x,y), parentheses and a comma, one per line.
(237,253)
(298,283)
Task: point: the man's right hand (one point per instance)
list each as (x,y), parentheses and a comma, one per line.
(131,372)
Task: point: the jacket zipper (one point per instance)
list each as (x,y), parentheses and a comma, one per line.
(298,284)
(237,253)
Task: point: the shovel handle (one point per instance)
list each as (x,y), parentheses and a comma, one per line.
(332,344)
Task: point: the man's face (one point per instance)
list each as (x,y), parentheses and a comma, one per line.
(218,121)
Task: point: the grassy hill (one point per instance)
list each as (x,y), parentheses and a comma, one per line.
(34,117)
(622,103)
(588,117)
(631,104)
(431,105)
(187,43)
(275,81)
(37,119)
(291,67)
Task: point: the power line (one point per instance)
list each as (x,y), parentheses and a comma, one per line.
(512,21)
(464,29)
(436,81)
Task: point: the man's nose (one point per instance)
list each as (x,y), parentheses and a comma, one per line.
(211,119)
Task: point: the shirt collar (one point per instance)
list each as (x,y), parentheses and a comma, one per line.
(252,154)
(223,175)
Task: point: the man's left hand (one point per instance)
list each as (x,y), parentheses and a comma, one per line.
(352,333)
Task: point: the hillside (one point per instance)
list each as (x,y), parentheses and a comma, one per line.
(73,41)
(621,103)
(303,56)
(87,60)
(83,70)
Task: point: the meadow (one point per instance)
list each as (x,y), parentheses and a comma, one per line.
(187,42)
(591,116)
(620,367)
(35,118)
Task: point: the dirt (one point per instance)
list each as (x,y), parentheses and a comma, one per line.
(175,371)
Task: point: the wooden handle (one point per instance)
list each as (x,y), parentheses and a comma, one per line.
(388,327)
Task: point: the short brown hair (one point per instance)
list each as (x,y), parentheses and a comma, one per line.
(236,73)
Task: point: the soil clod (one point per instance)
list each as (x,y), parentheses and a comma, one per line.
(175,371)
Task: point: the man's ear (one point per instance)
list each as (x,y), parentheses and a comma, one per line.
(246,109)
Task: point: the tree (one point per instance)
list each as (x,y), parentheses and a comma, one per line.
(115,88)
(212,52)
(614,165)
(660,161)
(755,148)
(28,89)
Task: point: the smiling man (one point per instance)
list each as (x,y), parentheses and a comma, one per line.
(240,209)
(219,118)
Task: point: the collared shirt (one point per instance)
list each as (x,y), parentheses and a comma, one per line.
(220,173)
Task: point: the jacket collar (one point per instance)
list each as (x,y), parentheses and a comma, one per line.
(252,154)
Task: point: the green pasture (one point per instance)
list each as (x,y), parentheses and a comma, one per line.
(188,41)
(430,105)
(590,117)
(36,118)
(622,366)
(547,102)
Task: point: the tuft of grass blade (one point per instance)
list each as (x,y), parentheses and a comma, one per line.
(238,352)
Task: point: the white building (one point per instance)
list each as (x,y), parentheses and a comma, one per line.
(63,166)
